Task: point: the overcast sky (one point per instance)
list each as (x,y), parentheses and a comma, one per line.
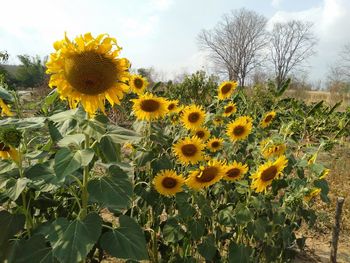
(161,33)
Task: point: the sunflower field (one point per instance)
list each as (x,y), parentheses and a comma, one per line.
(221,177)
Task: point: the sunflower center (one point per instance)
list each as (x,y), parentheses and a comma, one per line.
(269,173)
(226,89)
(238,130)
(171,106)
(150,105)
(268,118)
(90,73)
(169,182)
(215,144)
(3,147)
(193,117)
(233,173)
(138,83)
(189,150)
(208,174)
(228,109)
(200,134)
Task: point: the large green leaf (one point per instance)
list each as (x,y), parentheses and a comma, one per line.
(72,140)
(172,231)
(9,226)
(121,135)
(71,241)
(5,95)
(110,149)
(14,187)
(196,227)
(113,191)
(127,241)
(35,250)
(207,248)
(43,176)
(239,253)
(67,161)
(26,123)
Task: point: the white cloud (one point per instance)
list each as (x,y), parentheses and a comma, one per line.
(276,3)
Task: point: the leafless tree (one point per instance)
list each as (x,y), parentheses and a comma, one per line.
(235,45)
(291,44)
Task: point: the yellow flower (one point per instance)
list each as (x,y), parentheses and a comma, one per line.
(189,150)
(267,172)
(193,117)
(226,89)
(167,182)
(312,194)
(325,173)
(88,71)
(268,119)
(138,84)
(202,133)
(206,175)
(239,129)
(270,149)
(7,152)
(235,171)
(229,109)
(149,107)
(173,106)
(215,144)
(218,120)
(5,110)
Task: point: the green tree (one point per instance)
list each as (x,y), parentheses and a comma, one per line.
(31,72)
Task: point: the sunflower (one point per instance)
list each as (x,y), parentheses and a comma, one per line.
(239,129)
(226,89)
(5,109)
(173,106)
(312,194)
(167,182)
(235,171)
(215,144)
(88,70)
(324,173)
(138,84)
(229,109)
(206,175)
(202,133)
(7,152)
(268,119)
(149,107)
(189,150)
(218,120)
(193,117)
(267,172)
(270,149)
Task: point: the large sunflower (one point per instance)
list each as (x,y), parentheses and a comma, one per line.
(167,182)
(270,149)
(138,84)
(193,117)
(215,144)
(189,150)
(88,70)
(267,172)
(5,109)
(268,118)
(149,107)
(235,171)
(206,175)
(226,89)
(239,129)
(202,133)
(229,109)
(8,152)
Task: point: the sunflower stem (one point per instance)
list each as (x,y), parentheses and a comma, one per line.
(84,193)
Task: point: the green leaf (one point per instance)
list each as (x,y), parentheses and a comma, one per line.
(14,187)
(54,132)
(113,191)
(5,95)
(72,140)
(26,123)
(226,216)
(127,241)
(110,149)
(239,253)
(33,250)
(71,241)
(207,248)
(43,176)
(121,135)
(243,214)
(9,225)
(172,231)
(196,227)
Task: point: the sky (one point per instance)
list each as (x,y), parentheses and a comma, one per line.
(162,33)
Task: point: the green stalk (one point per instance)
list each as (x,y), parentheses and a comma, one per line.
(84,193)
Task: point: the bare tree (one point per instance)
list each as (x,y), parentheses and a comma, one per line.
(235,45)
(291,44)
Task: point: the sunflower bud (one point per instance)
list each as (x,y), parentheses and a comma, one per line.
(10,136)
